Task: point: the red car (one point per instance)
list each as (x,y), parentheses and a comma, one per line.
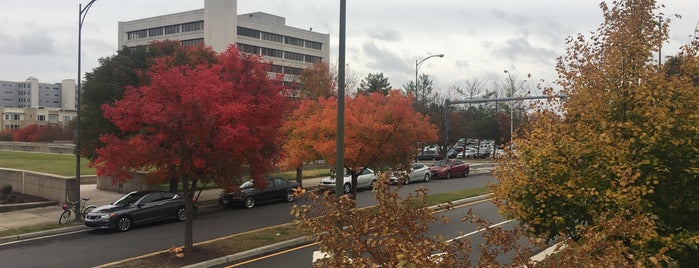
(448,168)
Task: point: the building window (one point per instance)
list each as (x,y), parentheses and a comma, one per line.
(41,117)
(16,117)
(191,42)
(277,68)
(155,32)
(249,32)
(272,37)
(292,70)
(293,41)
(137,34)
(272,52)
(313,59)
(314,45)
(293,56)
(66,118)
(192,26)
(248,49)
(172,29)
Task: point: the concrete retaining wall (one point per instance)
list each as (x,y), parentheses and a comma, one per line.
(49,186)
(138,183)
(38,147)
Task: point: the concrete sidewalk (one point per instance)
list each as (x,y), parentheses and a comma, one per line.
(49,214)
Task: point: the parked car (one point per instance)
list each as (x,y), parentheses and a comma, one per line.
(449,168)
(469,153)
(454,152)
(418,172)
(135,208)
(248,195)
(365,180)
(429,155)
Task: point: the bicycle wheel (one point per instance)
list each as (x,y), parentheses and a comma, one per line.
(64,217)
(87,210)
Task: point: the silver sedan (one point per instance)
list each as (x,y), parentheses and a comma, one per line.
(418,172)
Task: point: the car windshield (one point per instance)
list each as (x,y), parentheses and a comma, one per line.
(247,184)
(441,163)
(129,199)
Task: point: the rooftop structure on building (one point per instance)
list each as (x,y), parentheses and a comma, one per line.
(289,49)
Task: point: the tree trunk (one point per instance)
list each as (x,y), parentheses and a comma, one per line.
(354,185)
(188,211)
(173,185)
(299,175)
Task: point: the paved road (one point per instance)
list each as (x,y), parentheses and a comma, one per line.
(302,256)
(87,249)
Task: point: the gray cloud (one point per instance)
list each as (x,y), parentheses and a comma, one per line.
(516,49)
(383,60)
(385,34)
(36,44)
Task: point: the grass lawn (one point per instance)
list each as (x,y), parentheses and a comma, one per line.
(58,164)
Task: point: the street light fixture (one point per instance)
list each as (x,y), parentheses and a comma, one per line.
(417,67)
(82,12)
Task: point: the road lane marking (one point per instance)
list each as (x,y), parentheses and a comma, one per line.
(316,243)
(478,231)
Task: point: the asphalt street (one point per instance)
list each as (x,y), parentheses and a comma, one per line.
(92,248)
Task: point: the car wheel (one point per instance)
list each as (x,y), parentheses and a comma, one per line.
(290,196)
(180,214)
(465,173)
(427,178)
(371,185)
(347,188)
(249,202)
(448,175)
(123,224)
(407,181)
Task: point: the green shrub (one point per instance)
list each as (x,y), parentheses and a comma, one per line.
(6,190)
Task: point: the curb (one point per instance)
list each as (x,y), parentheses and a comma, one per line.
(261,251)
(13,207)
(14,238)
(296,242)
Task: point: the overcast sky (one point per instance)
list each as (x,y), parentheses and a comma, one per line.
(480,39)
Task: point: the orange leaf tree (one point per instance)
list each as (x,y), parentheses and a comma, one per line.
(616,169)
(380,132)
(201,123)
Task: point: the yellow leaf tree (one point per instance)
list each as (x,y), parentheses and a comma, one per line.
(616,168)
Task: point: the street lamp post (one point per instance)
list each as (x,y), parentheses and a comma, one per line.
(417,67)
(82,12)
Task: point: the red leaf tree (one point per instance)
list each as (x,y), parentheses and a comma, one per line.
(380,131)
(201,123)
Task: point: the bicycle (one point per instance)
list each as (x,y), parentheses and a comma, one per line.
(68,208)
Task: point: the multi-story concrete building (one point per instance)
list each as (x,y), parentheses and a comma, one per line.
(31,93)
(217,25)
(31,102)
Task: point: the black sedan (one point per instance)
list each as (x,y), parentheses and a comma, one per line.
(249,194)
(136,208)
(429,155)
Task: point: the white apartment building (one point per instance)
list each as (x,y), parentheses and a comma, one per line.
(217,25)
(31,102)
